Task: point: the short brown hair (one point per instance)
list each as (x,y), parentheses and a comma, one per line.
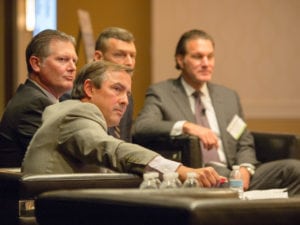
(39,45)
(96,72)
(112,32)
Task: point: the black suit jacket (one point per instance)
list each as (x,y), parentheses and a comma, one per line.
(19,122)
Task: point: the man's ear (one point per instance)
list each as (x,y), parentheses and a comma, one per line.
(35,63)
(179,60)
(88,88)
(98,55)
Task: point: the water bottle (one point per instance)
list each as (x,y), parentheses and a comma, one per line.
(150,181)
(156,178)
(177,181)
(191,180)
(170,180)
(236,181)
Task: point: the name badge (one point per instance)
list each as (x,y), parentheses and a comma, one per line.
(236,127)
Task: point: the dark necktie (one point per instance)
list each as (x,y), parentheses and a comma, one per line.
(115,131)
(201,119)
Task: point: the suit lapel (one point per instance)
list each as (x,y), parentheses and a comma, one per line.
(182,101)
(33,85)
(219,104)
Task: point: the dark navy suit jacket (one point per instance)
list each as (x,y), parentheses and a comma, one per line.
(19,122)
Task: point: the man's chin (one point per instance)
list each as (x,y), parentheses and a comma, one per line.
(67,87)
(115,122)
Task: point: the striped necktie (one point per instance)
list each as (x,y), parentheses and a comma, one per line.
(201,119)
(117,132)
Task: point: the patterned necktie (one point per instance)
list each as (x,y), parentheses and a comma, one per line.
(201,119)
(117,132)
(114,131)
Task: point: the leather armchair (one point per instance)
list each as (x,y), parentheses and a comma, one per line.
(162,207)
(186,148)
(182,148)
(274,146)
(18,192)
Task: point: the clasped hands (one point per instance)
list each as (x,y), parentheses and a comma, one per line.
(208,138)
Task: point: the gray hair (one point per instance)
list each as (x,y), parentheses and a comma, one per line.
(96,71)
(39,45)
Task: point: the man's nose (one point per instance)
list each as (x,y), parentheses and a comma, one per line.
(124,99)
(72,65)
(204,61)
(129,61)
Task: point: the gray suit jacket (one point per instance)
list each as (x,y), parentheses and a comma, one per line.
(166,103)
(125,123)
(73,138)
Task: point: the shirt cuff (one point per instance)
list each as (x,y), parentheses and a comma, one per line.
(249,167)
(162,165)
(177,128)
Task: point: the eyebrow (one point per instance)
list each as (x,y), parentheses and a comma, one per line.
(122,86)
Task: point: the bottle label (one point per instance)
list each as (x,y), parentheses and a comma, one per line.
(236,183)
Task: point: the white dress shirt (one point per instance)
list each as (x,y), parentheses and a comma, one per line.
(209,112)
(49,95)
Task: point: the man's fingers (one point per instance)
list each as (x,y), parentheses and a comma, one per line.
(209,177)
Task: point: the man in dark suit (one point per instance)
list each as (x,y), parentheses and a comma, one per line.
(51,63)
(116,45)
(170,109)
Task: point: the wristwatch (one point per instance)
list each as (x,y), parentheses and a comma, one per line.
(249,167)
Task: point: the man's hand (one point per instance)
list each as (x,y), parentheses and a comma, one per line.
(246,177)
(208,138)
(207,176)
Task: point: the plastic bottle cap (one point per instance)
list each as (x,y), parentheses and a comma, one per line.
(192,174)
(170,175)
(154,174)
(235,167)
(148,175)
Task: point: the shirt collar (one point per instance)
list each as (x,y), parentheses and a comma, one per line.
(190,90)
(47,93)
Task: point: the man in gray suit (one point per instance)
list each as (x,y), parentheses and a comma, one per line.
(170,110)
(115,44)
(51,64)
(73,136)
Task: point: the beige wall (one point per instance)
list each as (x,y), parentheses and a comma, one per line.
(275,125)
(257,48)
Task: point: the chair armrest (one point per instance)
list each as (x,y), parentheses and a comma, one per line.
(17,192)
(275,146)
(186,148)
(182,148)
(28,186)
(35,184)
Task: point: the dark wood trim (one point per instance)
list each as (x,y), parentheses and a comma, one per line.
(9,47)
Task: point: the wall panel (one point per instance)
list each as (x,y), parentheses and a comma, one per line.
(133,15)
(257,47)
